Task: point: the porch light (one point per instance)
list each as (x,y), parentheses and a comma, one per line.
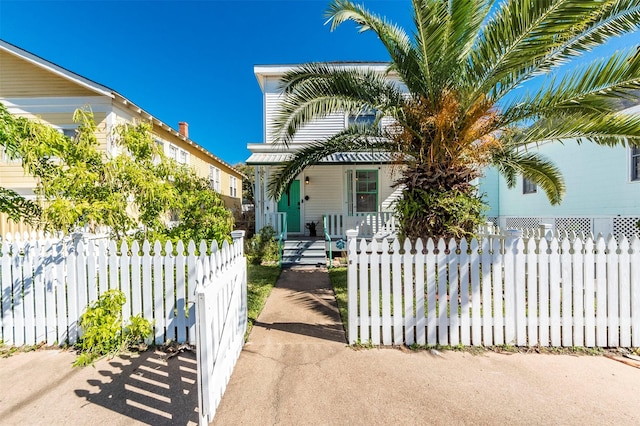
(306,180)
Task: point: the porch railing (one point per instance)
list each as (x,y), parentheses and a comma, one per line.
(369,225)
(278,221)
(327,238)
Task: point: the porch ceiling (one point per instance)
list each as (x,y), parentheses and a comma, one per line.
(268,158)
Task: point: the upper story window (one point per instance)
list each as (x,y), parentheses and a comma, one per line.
(366,118)
(214,178)
(233,186)
(69,132)
(173,152)
(635,163)
(184,157)
(528,187)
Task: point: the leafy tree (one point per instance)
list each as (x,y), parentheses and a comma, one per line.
(247,184)
(453,92)
(14,132)
(138,188)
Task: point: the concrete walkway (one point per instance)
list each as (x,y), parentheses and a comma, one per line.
(297,370)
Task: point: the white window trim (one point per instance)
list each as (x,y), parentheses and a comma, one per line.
(630,165)
(214,178)
(233,186)
(535,190)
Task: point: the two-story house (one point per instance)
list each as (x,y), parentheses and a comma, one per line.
(33,87)
(355,189)
(343,188)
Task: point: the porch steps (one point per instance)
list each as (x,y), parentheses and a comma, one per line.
(307,252)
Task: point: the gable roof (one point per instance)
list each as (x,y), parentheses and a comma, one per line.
(102,90)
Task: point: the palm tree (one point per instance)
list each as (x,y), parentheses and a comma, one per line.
(453,90)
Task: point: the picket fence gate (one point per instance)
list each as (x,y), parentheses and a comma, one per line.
(221,309)
(47,284)
(496,291)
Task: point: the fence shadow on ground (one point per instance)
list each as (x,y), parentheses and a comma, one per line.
(148,388)
(332,332)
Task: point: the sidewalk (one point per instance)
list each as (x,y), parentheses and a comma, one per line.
(297,370)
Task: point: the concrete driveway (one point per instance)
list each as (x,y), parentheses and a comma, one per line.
(297,370)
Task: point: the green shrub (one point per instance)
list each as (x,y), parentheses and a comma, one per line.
(262,247)
(103,329)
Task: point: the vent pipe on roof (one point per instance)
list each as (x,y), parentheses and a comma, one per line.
(183,128)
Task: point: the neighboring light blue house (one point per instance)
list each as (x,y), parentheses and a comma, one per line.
(603,191)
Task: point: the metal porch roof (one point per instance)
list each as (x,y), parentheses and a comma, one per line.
(271,158)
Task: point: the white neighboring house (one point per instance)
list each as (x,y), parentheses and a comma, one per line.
(603,191)
(348,189)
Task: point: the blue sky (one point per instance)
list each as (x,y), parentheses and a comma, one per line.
(193,60)
(189,60)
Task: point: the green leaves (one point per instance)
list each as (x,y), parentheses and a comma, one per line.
(103,330)
(135,188)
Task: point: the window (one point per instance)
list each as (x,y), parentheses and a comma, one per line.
(233,186)
(70,133)
(184,157)
(173,152)
(366,186)
(214,178)
(528,187)
(364,118)
(635,163)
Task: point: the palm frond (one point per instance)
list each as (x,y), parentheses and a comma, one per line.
(518,37)
(312,95)
(465,18)
(512,163)
(604,86)
(355,138)
(614,18)
(613,129)
(404,59)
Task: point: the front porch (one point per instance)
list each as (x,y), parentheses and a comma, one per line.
(329,238)
(334,226)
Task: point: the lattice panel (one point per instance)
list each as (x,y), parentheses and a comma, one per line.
(625,226)
(522,222)
(493,219)
(574,224)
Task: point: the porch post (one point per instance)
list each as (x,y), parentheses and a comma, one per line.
(258,197)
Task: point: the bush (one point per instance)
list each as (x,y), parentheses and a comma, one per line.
(103,331)
(262,247)
(431,213)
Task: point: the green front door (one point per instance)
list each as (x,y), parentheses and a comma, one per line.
(290,204)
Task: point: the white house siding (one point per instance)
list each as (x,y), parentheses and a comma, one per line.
(325,191)
(314,131)
(600,194)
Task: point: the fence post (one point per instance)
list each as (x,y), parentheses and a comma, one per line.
(510,249)
(352,285)
(239,235)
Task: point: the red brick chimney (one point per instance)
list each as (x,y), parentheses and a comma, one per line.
(183,128)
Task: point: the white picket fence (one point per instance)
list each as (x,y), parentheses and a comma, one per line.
(47,284)
(524,292)
(221,309)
